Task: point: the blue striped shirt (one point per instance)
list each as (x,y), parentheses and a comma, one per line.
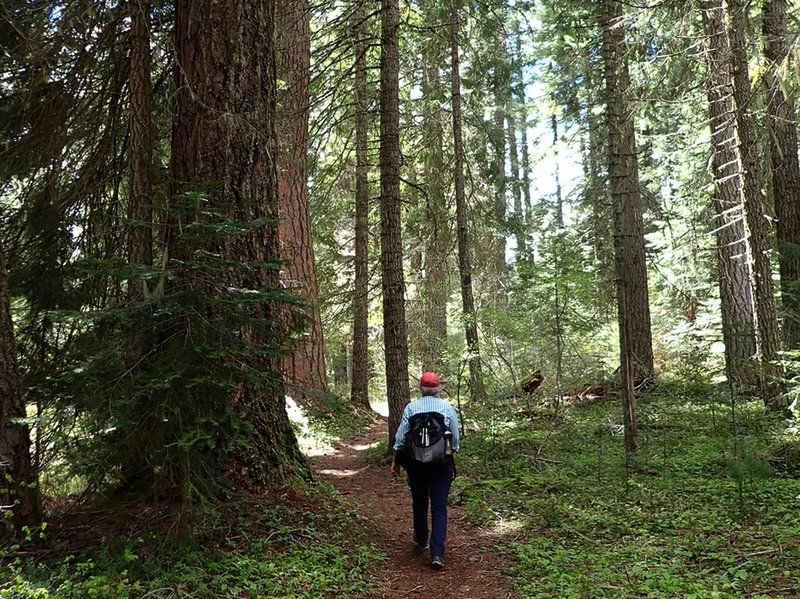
(427,403)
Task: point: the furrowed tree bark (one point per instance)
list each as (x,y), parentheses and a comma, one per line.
(305,367)
(359,395)
(19,487)
(629,255)
(435,283)
(139,235)
(140,203)
(477,390)
(785,168)
(753,204)
(395,336)
(224,145)
(733,251)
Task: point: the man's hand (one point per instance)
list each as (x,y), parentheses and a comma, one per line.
(395,469)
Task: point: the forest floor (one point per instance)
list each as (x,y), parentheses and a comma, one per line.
(473,566)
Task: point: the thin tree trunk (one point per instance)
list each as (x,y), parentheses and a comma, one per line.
(595,193)
(498,257)
(19,487)
(359,395)
(395,335)
(755,221)
(524,169)
(224,145)
(140,204)
(629,256)
(557,172)
(305,368)
(785,167)
(733,252)
(516,187)
(525,161)
(464,267)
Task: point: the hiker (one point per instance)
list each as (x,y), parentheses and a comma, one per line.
(429,482)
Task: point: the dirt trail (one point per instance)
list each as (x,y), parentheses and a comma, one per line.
(473,566)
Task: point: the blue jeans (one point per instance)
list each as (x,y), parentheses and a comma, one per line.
(431,486)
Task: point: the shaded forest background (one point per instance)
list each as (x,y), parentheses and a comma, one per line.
(208,207)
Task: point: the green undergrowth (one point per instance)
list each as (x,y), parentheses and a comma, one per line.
(307,544)
(699,512)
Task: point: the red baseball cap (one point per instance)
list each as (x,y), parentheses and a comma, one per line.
(429,380)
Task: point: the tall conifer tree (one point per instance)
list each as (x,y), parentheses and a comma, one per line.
(395,336)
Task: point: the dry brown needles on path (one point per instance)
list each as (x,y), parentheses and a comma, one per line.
(474,568)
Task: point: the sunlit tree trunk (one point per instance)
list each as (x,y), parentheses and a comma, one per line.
(733,252)
(785,168)
(464,266)
(395,335)
(359,384)
(224,146)
(305,367)
(755,221)
(629,255)
(19,490)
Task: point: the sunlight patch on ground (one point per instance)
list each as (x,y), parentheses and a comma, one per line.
(381,407)
(342,473)
(310,444)
(362,447)
(503,527)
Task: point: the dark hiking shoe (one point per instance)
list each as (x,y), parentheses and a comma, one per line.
(437,562)
(419,545)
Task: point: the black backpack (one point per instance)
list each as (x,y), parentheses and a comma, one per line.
(425,439)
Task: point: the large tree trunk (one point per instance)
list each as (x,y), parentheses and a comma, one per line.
(755,221)
(18,482)
(629,255)
(140,203)
(395,335)
(464,266)
(140,232)
(436,236)
(224,146)
(733,252)
(305,367)
(785,168)
(359,395)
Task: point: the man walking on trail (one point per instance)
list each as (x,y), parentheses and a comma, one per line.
(430,425)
